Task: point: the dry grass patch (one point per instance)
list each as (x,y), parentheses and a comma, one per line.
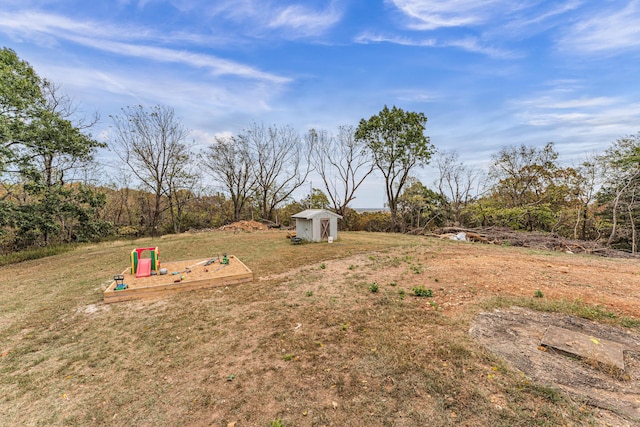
(302,344)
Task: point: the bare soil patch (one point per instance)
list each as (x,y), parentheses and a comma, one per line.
(245,226)
(515,334)
(461,274)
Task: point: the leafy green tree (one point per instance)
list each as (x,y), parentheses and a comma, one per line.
(20,96)
(397,144)
(530,189)
(44,146)
(420,206)
(318,200)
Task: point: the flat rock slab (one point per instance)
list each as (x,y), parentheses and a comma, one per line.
(514,334)
(585,346)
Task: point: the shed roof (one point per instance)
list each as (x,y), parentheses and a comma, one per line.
(313,213)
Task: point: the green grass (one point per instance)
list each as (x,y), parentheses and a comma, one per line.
(37,253)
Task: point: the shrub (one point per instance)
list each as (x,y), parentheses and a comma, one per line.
(420,291)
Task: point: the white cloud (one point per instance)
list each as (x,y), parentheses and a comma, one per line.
(101,37)
(470,44)
(304,21)
(203,100)
(367,37)
(553,102)
(217,66)
(34,25)
(473,44)
(540,19)
(433,14)
(606,31)
(291,21)
(593,120)
(416,95)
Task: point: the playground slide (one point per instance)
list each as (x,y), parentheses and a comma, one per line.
(144,268)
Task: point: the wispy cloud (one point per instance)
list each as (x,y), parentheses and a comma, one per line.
(535,17)
(105,38)
(433,14)
(127,85)
(291,21)
(562,109)
(416,95)
(611,30)
(475,45)
(33,24)
(469,44)
(550,102)
(304,21)
(369,37)
(217,66)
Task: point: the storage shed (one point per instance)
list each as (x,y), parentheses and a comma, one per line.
(317,225)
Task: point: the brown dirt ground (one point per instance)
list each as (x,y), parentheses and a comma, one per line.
(245,226)
(464,273)
(461,273)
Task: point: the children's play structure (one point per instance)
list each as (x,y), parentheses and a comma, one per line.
(145,279)
(142,267)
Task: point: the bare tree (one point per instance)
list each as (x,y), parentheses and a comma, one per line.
(589,178)
(279,164)
(228,162)
(181,182)
(342,162)
(455,182)
(152,143)
(622,180)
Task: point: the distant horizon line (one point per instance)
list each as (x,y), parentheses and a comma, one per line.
(383,209)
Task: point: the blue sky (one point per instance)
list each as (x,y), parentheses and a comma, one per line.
(487,73)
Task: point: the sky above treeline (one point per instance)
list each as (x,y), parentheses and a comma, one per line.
(487,73)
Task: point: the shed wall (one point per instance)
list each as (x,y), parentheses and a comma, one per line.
(304,229)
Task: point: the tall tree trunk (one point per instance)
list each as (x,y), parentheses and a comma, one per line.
(174,222)
(577,223)
(155,222)
(585,217)
(614,219)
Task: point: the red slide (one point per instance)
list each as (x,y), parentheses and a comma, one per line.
(144,268)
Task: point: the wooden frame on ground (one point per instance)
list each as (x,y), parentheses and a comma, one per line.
(182,276)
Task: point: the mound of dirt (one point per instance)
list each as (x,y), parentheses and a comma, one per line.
(515,335)
(245,226)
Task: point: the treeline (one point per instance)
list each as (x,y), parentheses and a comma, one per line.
(52,191)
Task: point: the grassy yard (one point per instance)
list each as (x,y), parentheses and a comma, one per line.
(326,335)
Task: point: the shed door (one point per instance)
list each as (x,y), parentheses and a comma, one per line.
(324,229)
